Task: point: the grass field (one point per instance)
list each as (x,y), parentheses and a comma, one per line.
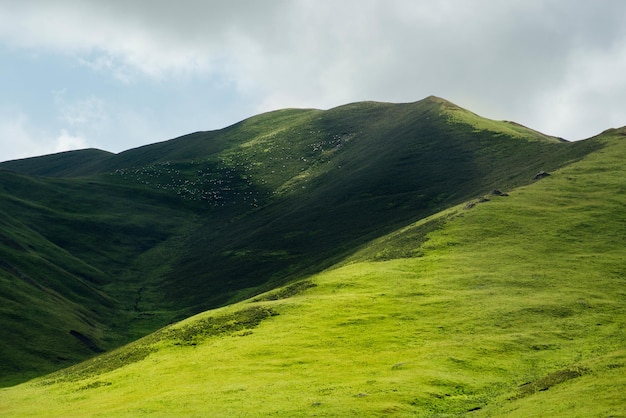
(511,306)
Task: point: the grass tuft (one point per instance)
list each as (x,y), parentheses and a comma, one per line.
(286,291)
(215,326)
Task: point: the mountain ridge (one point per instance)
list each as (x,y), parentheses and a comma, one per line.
(19,165)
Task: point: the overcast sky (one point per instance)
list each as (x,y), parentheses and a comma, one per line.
(117,74)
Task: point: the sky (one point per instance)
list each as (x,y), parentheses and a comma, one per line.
(118,74)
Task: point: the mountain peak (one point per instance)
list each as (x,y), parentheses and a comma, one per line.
(435,99)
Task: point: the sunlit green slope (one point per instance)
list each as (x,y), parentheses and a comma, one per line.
(511,306)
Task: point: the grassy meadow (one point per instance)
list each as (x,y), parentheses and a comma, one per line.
(506,305)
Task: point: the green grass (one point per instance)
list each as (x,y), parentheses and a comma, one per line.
(513,307)
(456,114)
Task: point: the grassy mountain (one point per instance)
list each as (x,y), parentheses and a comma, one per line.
(99,249)
(511,306)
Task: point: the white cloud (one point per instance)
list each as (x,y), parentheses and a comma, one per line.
(66,142)
(132,38)
(325,50)
(553,65)
(589,98)
(15,139)
(19,139)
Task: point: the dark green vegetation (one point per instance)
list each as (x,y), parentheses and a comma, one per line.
(187,335)
(98,249)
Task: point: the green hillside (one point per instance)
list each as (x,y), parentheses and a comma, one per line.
(100,249)
(511,306)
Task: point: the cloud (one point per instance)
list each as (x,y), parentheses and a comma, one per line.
(65,142)
(553,65)
(132,38)
(589,97)
(15,141)
(86,113)
(19,139)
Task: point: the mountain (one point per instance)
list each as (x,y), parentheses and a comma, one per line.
(100,249)
(507,304)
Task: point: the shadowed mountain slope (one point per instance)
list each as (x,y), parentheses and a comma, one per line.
(63,164)
(132,241)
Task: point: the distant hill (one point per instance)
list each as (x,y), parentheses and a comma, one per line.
(63,164)
(99,249)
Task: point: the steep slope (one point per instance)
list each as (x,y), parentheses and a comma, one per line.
(178,227)
(509,307)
